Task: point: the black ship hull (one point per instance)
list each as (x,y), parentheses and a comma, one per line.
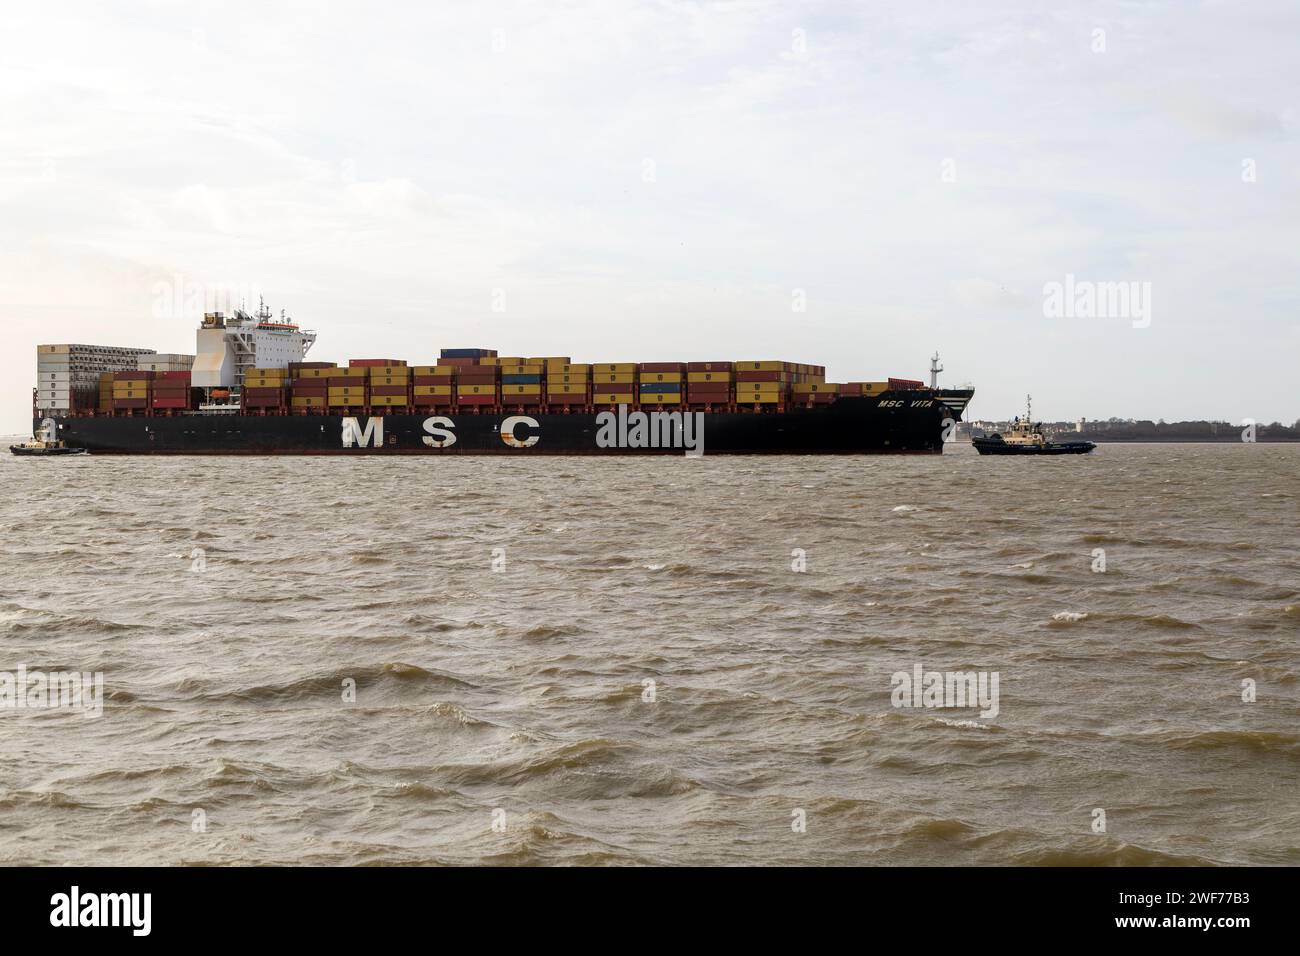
(893,423)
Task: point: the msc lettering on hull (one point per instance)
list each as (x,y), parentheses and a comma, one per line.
(517,431)
(635,430)
(371,437)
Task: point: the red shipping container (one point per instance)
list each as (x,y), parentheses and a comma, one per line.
(854,388)
(263,402)
(476,399)
(387,389)
(709,366)
(171,403)
(174,375)
(615,388)
(343,381)
(310,391)
(374,363)
(132,375)
(294,366)
(264,392)
(905,384)
(662,367)
(762,376)
(708,394)
(435,380)
(125,403)
(477,378)
(460,362)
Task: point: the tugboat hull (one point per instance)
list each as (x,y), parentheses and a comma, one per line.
(43,453)
(996,446)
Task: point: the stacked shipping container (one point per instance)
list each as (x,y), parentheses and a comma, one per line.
(477,379)
(309,384)
(131,391)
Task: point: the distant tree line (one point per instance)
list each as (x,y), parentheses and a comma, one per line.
(1117,429)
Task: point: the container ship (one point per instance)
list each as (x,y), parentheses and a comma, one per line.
(249,389)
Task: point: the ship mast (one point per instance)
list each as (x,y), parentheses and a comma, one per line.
(935,369)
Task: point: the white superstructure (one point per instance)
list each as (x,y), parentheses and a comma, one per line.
(228,346)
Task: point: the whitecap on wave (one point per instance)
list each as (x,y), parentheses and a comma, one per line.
(1070,617)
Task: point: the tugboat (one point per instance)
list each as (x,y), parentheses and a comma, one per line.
(45,444)
(1027,438)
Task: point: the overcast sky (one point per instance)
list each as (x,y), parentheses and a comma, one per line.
(661,181)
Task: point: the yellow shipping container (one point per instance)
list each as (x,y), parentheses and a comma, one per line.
(344,402)
(561,368)
(617,368)
(512,360)
(387,380)
(551,360)
(580,379)
(763,367)
(358,372)
(433,391)
(387,401)
(346,391)
(611,398)
(759,398)
(268,372)
(872,388)
(761,387)
(666,398)
(661,377)
(805,388)
(522,369)
(614,378)
(723,377)
(436,369)
(485,360)
(390,371)
(570,389)
(309,403)
(316,372)
(476,389)
(523,390)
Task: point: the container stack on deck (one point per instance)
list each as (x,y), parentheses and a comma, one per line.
(347,390)
(709,384)
(613,383)
(131,391)
(309,386)
(172,392)
(477,377)
(474,380)
(389,382)
(568,385)
(265,389)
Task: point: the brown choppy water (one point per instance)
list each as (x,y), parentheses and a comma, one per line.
(522,690)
